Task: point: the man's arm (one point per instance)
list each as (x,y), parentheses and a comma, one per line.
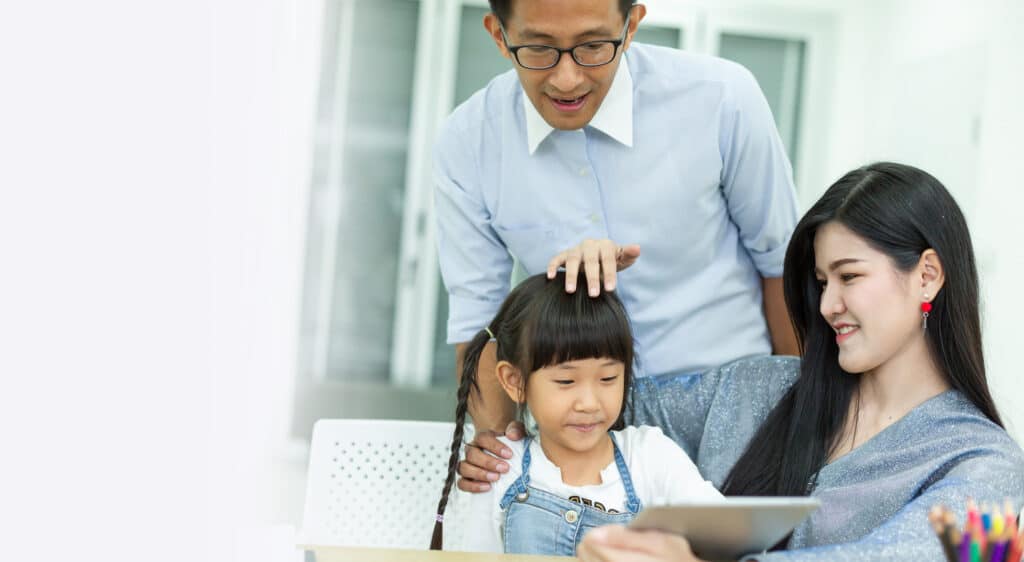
(780,327)
(493,409)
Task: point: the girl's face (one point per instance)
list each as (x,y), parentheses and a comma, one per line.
(575,403)
(874,309)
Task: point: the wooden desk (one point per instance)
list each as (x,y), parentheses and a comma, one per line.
(365,554)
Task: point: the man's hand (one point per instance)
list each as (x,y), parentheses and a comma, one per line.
(600,259)
(619,544)
(483,458)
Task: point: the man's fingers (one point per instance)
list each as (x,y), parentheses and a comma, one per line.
(476,475)
(609,254)
(572,268)
(488,441)
(555,263)
(472,486)
(592,266)
(627,256)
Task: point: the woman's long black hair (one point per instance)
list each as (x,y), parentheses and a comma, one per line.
(540,325)
(901,211)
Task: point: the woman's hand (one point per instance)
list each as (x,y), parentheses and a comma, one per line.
(615,543)
(600,258)
(482,463)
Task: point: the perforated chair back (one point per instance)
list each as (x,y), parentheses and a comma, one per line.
(376,483)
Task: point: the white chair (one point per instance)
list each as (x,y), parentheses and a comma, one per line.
(377,483)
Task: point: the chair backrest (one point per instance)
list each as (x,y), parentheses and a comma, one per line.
(376,483)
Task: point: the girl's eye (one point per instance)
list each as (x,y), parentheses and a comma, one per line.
(848,276)
(609,379)
(563,381)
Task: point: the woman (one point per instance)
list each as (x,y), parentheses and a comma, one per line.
(887,414)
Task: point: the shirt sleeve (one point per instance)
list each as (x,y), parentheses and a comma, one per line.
(479,528)
(908,535)
(675,477)
(475,265)
(757,179)
(480,519)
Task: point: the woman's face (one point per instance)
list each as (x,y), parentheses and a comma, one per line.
(874,309)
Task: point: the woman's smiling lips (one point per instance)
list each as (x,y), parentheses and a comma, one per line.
(844,331)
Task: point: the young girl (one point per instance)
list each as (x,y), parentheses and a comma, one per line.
(569,359)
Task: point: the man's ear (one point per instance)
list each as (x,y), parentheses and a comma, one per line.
(932,273)
(493,27)
(636,15)
(511,380)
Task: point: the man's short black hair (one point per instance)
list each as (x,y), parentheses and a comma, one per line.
(501,8)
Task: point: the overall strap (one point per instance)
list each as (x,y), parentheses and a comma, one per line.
(632,502)
(518,487)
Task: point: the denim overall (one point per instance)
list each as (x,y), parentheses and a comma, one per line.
(538,522)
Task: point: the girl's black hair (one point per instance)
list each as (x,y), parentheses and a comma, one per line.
(502,8)
(901,211)
(540,325)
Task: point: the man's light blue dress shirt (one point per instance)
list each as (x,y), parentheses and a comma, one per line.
(682,158)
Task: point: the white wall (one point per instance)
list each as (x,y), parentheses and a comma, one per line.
(998,227)
(152,207)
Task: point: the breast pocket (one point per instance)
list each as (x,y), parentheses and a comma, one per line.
(534,246)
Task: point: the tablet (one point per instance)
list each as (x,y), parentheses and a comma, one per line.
(727,529)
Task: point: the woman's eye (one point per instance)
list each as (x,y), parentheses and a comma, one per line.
(848,276)
(609,379)
(563,381)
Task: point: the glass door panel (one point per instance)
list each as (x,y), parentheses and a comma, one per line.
(778,65)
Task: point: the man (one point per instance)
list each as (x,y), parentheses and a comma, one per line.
(673,152)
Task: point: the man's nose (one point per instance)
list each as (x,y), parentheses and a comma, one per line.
(566,76)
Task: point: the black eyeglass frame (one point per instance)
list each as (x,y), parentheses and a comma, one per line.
(616,43)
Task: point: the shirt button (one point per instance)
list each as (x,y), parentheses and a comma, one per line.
(583,171)
(594,218)
(571,516)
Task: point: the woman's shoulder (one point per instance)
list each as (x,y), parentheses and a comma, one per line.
(783,367)
(965,432)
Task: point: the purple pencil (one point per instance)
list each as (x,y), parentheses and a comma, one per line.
(998,552)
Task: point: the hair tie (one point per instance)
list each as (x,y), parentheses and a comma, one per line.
(439,518)
(490,333)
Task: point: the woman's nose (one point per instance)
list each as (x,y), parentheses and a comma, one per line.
(831,303)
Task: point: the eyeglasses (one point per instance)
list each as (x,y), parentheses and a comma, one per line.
(543,57)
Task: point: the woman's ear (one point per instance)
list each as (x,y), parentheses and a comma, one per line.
(932,274)
(511,380)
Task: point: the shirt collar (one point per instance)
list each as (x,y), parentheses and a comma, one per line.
(614,117)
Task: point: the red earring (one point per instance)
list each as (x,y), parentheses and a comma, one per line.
(926,307)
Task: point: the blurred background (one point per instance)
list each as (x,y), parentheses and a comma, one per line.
(216,225)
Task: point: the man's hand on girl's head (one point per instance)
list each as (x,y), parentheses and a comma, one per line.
(484,458)
(600,260)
